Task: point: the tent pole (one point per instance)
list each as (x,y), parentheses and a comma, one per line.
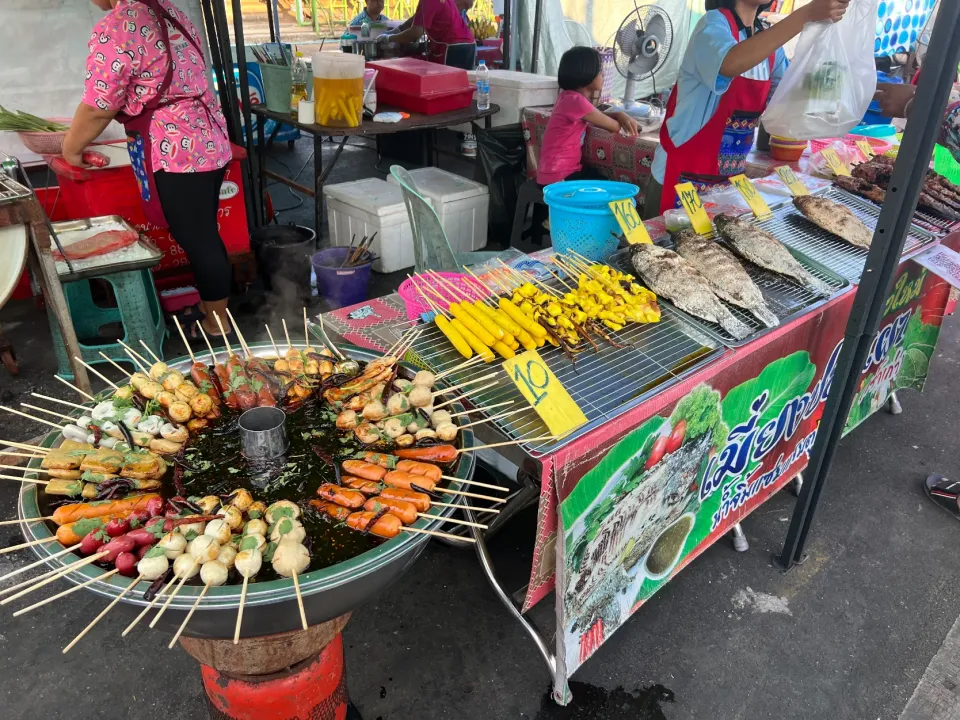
(537,22)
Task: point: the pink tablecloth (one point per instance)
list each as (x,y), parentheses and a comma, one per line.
(616,156)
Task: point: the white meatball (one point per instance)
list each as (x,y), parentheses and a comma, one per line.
(196,528)
(255,527)
(290,557)
(440,417)
(253,541)
(248,562)
(173,544)
(374,411)
(424,378)
(208,503)
(397,404)
(227,556)
(405,440)
(214,573)
(420,396)
(425,434)
(287,529)
(218,530)
(186,566)
(394,428)
(232,516)
(204,548)
(280,509)
(447,432)
(152,566)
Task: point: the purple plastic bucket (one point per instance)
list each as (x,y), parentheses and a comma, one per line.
(341,286)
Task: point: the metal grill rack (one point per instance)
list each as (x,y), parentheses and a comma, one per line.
(604,384)
(934,224)
(791,228)
(11,190)
(786,298)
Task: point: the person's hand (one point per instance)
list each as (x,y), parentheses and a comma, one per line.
(627,124)
(820,10)
(893,98)
(74,158)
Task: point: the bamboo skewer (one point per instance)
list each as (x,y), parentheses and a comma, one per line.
(70,385)
(57,400)
(240,338)
(464,384)
(306,336)
(243,599)
(31,417)
(23,455)
(110,360)
(464,507)
(23,479)
(68,418)
(66,592)
(499,488)
(464,493)
(107,609)
(462,366)
(25,446)
(97,373)
(437,533)
(25,521)
(223,334)
(31,566)
(172,595)
(330,342)
(55,575)
(296,587)
(20,467)
(213,355)
(138,360)
(455,521)
(464,395)
(150,352)
(509,442)
(286,333)
(483,409)
(183,625)
(186,344)
(272,341)
(147,609)
(21,546)
(491,419)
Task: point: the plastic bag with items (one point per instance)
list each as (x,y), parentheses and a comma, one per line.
(831,80)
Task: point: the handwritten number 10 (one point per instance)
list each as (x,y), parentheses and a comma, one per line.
(536,385)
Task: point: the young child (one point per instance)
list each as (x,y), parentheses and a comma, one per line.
(580,78)
(373,12)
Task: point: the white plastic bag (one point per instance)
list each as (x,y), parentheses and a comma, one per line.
(831,80)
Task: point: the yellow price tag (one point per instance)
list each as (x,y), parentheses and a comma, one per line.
(750,195)
(866,148)
(694,206)
(834,162)
(544,392)
(792,182)
(626,214)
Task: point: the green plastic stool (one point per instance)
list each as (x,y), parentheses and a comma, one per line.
(137,309)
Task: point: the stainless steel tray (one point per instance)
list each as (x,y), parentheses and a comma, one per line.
(792,229)
(786,298)
(11,190)
(67,226)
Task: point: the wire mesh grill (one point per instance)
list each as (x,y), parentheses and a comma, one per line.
(11,190)
(785,298)
(792,229)
(604,384)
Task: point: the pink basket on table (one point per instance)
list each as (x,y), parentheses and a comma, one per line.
(45,143)
(879,146)
(415,303)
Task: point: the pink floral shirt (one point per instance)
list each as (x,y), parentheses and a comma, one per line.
(127,64)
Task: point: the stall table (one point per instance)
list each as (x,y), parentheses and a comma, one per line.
(615,523)
(367,128)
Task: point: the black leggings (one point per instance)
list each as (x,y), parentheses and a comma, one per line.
(190,202)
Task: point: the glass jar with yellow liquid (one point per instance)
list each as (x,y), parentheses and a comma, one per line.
(338,89)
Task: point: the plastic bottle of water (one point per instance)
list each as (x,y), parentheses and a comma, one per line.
(483,86)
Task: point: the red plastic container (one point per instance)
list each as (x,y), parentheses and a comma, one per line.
(420,86)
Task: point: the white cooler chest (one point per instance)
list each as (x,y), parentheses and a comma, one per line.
(513,91)
(462,205)
(368,206)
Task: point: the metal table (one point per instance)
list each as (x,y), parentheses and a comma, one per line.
(368,128)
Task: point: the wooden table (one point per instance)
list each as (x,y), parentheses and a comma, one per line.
(367,128)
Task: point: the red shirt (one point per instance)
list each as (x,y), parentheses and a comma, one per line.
(444,25)
(562,144)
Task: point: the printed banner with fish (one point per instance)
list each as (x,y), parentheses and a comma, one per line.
(670,484)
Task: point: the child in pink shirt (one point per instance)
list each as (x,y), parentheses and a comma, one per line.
(580,77)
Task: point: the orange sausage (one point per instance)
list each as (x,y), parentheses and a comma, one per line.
(387,526)
(399,479)
(365,470)
(341,496)
(418,499)
(331,509)
(67,535)
(443,454)
(420,468)
(382,459)
(79,511)
(367,487)
(407,512)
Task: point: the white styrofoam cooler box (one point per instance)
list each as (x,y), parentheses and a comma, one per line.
(368,206)
(513,91)
(462,205)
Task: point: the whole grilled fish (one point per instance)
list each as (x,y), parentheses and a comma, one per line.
(725,274)
(761,248)
(835,219)
(669,275)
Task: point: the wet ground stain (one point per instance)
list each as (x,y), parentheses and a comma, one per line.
(595,703)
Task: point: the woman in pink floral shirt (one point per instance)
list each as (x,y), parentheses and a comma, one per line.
(149,74)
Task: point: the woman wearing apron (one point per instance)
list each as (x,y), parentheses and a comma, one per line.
(146,70)
(728,73)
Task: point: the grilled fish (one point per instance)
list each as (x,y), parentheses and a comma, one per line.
(835,219)
(669,275)
(725,274)
(761,248)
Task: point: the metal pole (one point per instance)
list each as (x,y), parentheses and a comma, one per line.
(249,181)
(271,19)
(216,60)
(537,21)
(507,35)
(903,191)
(232,106)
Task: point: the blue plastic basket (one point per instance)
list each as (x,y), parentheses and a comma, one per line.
(580,216)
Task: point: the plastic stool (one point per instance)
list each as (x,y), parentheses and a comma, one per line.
(137,309)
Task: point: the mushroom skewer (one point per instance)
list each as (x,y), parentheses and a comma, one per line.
(247,563)
(212,573)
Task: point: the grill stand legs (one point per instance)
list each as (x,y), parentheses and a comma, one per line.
(893,405)
(740,543)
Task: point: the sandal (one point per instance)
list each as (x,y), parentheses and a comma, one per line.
(944,493)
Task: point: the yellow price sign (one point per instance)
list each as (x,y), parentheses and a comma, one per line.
(866,148)
(544,392)
(626,214)
(694,206)
(834,162)
(749,193)
(792,182)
